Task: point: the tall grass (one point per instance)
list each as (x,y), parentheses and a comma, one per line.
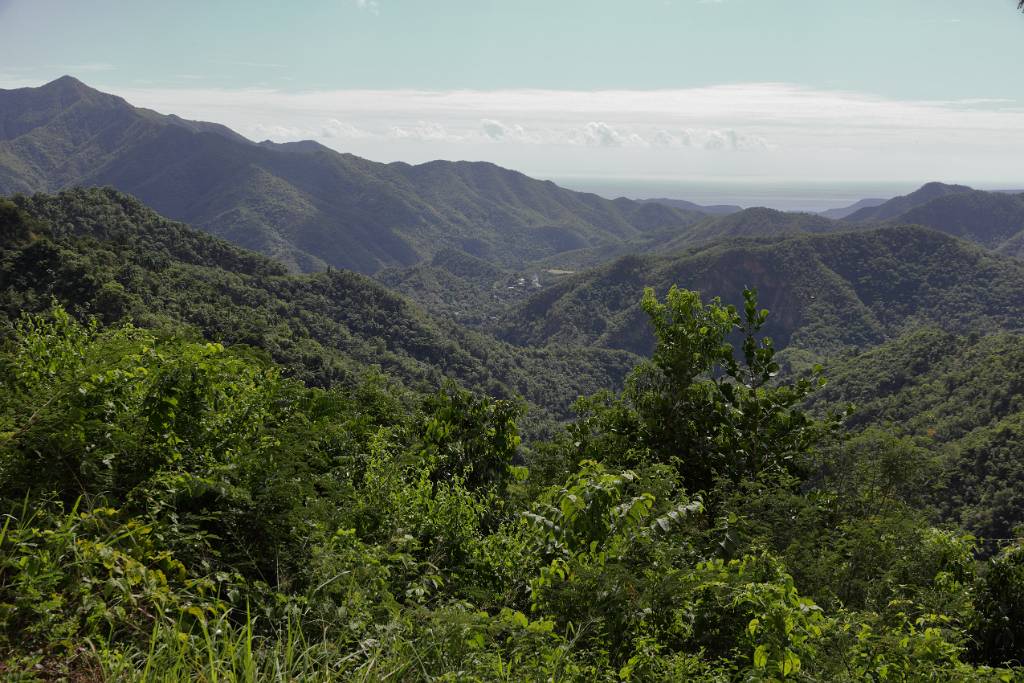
(226,652)
(223,652)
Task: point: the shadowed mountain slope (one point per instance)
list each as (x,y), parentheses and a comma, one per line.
(898,205)
(989,218)
(302,203)
(992,219)
(756,222)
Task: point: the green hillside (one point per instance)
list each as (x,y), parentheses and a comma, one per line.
(439,286)
(1013,246)
(302,203)
(102,252)
(992,219)
(194,509)
(460,287)
(958,399)
(826,292)
(756,222)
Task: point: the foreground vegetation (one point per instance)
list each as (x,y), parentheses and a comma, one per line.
(176,509)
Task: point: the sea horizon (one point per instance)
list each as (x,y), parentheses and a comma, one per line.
(812,196)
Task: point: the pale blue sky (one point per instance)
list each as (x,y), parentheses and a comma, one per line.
(667,88)
(897,48)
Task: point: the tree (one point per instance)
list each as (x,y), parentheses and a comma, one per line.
(697,407)
(999,631)
(470,437)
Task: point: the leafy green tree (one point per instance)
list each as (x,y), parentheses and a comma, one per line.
(999,631)
(696,406)
(470,437)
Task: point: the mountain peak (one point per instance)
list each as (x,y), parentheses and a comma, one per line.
(27,109)
(68,84)
(66,79)
(936,187)
(899,205)
(68,90)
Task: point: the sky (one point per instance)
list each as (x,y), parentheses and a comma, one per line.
(727,90)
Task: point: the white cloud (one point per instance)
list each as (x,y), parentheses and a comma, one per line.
(673,139)
(342,130)
(372,6)
(730,139)
(771,129)
(600,134)
(329,130)
(708,139)
(277,133)
(423,131)
(498,131)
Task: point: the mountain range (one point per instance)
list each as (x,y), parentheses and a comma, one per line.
(992,219)
(312,208)
(302,203)
(895,207)
(492,248)
(711,210)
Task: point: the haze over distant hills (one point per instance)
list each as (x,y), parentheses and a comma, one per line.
(711,210)
(991,219)
(304,204)
(843,212)
(893,208)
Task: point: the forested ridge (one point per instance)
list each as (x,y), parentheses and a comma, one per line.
(354,402)
(240,498)
(100,252)
(828,292)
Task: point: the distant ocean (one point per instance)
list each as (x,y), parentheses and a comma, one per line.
(786,196)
